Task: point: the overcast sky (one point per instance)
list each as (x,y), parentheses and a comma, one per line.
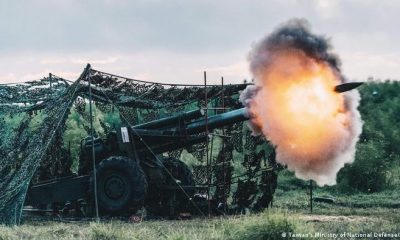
(174,41)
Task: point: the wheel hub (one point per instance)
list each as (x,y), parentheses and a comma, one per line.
(114,187)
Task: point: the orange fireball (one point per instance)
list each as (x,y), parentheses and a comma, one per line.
(296,108)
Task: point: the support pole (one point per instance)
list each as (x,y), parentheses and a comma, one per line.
(50,88)
(224,187)
(93,151)
(50,80)
(211,151)
(311,196)
(207,158)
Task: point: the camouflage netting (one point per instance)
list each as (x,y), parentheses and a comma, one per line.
(26,137)
(33,119)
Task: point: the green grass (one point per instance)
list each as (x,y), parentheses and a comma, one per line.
(354,213)
(268,225)
(290,215)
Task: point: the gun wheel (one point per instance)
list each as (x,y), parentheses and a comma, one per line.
(121,185)
(176,171)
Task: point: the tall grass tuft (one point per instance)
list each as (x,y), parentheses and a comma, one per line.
(269,225)
(109,231)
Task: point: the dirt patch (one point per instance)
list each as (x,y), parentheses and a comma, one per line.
(327,218)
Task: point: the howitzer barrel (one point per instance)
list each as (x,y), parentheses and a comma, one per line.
(168,134)
(217,121)
(171,121)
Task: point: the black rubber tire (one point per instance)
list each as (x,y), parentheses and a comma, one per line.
(180,171)
(121,185)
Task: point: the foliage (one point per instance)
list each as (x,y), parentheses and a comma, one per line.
(378,151)
(77,129)
(368,172)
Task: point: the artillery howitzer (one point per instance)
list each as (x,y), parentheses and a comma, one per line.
(130,173)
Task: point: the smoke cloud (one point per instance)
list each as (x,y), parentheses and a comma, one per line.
(292,102)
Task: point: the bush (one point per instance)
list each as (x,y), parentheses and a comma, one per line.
(368,172)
